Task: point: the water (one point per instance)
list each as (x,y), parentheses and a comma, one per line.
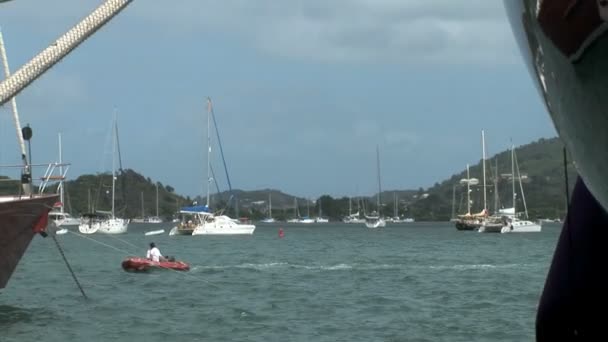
(417,282)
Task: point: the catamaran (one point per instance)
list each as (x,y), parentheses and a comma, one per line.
(199,218)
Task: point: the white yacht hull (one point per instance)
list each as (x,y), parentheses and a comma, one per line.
(380,223)
(212,229)
(223,225)
(522,227)
(109,226)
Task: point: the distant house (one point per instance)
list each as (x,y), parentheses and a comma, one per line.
(509,177)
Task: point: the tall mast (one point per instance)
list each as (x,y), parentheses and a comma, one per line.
(320,213)
(396,211)
(113,162)
(350,206)
(513,174)
(483,148)
(157,199)
(453,201)
(89,198)
(496,187)
(61,192)
(269,205)
(7,72)
(208,149)
(468,191)
(378,169)
(521,187)
(143,214)
(308,208)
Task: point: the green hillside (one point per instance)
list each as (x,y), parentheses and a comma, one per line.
(129,188)
(540,164)
(544,186)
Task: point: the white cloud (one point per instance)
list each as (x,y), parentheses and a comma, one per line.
(394,31)
(357,31)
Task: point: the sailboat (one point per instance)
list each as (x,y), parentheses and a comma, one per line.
(353,217)
(269,219)
(375,220)
(200,217)
(307,219)
(469,221)
(142,218)
(513,223)
(296,212)
(320,218)
(103,221)
(58,214)
(155,219)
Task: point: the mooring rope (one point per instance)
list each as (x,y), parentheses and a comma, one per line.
(46,59)
(68,265)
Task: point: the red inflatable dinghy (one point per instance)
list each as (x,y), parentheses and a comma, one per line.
(135,264)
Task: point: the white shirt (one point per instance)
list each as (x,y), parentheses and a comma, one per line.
(154,254)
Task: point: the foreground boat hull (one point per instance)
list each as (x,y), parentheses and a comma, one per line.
(19,220)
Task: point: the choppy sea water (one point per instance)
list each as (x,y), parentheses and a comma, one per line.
(412,282)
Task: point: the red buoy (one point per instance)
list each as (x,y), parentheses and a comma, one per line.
(281,233)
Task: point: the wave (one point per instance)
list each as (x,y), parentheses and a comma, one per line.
(359,267)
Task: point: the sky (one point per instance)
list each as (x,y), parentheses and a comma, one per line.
(303,91)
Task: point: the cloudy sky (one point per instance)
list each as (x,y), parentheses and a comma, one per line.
(303,90)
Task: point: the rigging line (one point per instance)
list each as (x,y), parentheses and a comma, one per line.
(65,260)
(219,143)
(217,186)
(567,192)
(101,243)
(125,242)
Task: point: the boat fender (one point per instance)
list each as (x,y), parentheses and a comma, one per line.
(41,224)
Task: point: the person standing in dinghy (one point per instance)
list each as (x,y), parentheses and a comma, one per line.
(154,254)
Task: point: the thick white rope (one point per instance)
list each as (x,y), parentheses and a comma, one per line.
(59,49)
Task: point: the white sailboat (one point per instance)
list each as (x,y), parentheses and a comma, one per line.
(375,220)
(141,219)
(204,222)
(58,214)
(296,212)
(154,219)
(320,218)
(106,222)
(513,223)
(353,217)
(307,219)
(269,219)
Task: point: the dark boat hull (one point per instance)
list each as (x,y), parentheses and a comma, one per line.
(20,220)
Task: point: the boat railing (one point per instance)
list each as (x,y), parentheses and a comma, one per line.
(53,172)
